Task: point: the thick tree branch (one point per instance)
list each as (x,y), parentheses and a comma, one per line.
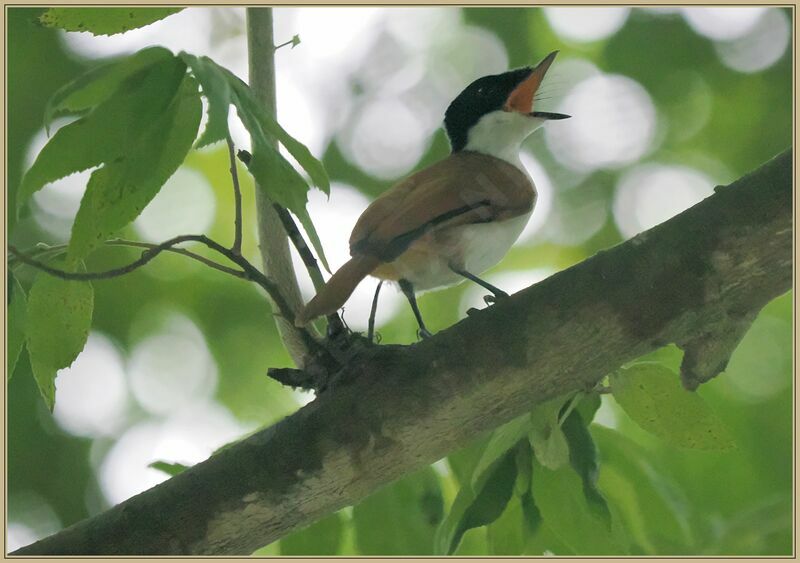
(395,408)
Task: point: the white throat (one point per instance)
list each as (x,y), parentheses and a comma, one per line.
(500,134)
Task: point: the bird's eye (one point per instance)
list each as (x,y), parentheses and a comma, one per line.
(481,91)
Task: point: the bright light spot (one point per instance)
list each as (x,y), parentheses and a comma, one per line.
(298,115)
(30,518)
(190,30)
(613,123)
(761,47)
(188,437)
(338,36)
(722,23)
(510,282)
(172,368)
(91,394)
(544,198)
(185,204)
(606,415)
(572,225)
(385,139)
(586,24)
(419,29)
(19,535)
(652,193)
(57,202)
(761,365)
(334,219)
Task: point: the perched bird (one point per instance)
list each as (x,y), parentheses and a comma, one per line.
(458,217)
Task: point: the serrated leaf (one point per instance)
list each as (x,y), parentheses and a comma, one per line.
(545,434)
(416,508)
(109,131)
(320,538)
(98,84)
(104,21)
(652,396)
(118,192)
(169,468)
(477,505)
(217,91)
(563,506)
(312,166)
(58,320)
(17,314)
(273,173)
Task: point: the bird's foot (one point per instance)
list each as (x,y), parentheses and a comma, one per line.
(423,333)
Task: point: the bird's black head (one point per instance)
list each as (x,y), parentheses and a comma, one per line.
(510,91)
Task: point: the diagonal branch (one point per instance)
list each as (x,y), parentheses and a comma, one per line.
(396,408)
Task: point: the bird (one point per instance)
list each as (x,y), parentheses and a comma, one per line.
(459,216)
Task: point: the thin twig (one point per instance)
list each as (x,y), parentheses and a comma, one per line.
(237,201)
(37,253)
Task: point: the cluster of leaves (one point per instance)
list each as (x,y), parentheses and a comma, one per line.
(139,118)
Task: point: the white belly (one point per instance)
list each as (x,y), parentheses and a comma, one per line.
(474,248)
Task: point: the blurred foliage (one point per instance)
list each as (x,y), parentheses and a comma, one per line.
(623,491)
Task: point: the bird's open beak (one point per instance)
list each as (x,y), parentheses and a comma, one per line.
(521,98)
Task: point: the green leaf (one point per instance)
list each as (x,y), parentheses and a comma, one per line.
(462,462)
(17,313)
(295,41)
(110,131)
(103,21)
(477,504)
(273,173)
(320,538)
(58,320)
(563,506)
(545,434)
(218,93)
(97,85)
(653,397)
(651,506)
(507,534)
(415,507)
(169,468)
(583,459)
(118,192)
(501,441)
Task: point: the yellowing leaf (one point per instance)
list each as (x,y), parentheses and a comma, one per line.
(652,396)
(58,321)
(103,21)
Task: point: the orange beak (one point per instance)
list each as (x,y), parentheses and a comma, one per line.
(521,99)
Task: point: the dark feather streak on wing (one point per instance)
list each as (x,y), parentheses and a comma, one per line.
(399,244)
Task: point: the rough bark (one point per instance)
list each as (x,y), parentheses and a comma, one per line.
(695,280)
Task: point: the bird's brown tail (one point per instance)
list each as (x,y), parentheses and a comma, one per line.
(338,289)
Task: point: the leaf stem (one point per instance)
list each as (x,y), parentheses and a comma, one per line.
(237,201)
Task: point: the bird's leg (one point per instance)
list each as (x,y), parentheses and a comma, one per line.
(371,326)
(408,291)
(497,293)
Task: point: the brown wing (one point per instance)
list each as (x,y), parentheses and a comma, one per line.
(466,187)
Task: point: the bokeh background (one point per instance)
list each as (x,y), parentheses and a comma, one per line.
(666,104)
